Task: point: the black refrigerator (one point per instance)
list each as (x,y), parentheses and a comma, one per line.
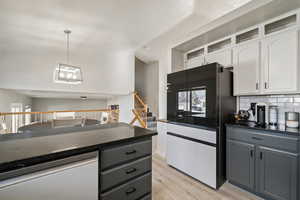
(203,96)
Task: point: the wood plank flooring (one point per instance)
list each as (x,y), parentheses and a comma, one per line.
(169,184)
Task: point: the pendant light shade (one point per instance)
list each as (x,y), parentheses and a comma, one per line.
(66,73)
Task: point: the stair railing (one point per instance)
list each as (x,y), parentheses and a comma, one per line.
(11,122)
(140,111)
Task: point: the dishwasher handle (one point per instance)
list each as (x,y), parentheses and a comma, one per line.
(44,169)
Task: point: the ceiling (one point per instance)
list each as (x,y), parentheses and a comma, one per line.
(212,20)
(107,25)
(205,11)
(101,29)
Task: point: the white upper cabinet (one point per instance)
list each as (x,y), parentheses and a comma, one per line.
(280,54)
(220,52)
(265,58)
(246,68)
(223,57)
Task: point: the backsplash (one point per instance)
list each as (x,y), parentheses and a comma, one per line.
(285,103)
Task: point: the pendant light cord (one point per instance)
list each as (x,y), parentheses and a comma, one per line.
(68,48)
(68,32)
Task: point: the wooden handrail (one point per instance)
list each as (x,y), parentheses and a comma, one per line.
(140,99)
(55,111)
(138,117)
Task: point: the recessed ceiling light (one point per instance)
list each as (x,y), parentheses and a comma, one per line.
(83,97)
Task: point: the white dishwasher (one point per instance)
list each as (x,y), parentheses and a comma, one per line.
(193,151)
(72,178)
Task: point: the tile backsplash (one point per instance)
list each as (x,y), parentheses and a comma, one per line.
(285,103)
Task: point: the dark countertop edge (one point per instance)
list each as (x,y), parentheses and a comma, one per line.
(188,125)
(280,131)
(76,151)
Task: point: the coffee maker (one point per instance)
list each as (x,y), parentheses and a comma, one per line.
(261,112)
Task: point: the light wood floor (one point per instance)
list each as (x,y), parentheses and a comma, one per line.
(169,184)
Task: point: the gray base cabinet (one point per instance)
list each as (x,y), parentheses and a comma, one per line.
(241,163)
(126,171)
(264,163)
(277,173)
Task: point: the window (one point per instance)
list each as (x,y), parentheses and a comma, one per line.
(184,100)
(198,102)
(27,116)
(193,101)
(17,120)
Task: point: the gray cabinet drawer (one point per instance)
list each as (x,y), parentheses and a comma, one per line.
(120,154)
(119,175)
(130,191)
(287,143)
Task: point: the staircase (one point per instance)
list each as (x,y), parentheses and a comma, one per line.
(142,113)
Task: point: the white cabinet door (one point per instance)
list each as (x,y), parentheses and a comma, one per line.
(280,63)
(195,159)
(162,138)
(223,57)
(195,62)
(246,68)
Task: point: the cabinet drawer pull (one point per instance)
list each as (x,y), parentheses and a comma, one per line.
(266,85)
(130,191)
(256,138)
(129,171)
(130,152)
(261,155)
(257,86)
(251,153)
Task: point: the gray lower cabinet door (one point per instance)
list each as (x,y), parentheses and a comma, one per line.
(240,163)
(277,174)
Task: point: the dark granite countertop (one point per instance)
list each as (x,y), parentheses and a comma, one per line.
(277,129)
(20,147)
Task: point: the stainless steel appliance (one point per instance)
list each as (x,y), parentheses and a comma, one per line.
(273,115)
(292,119)
(72,178)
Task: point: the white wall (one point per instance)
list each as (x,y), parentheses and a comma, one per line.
(126,103)
(49,104)
(112,73)
(146,84)
(8,97)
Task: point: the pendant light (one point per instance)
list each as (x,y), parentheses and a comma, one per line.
(66,73)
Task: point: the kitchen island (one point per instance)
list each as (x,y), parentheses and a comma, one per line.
(101,162)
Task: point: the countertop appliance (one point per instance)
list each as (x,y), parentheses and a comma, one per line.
(243,115)
(201,96)
(292,119)
(273,115)
(261,114)
(75,178)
